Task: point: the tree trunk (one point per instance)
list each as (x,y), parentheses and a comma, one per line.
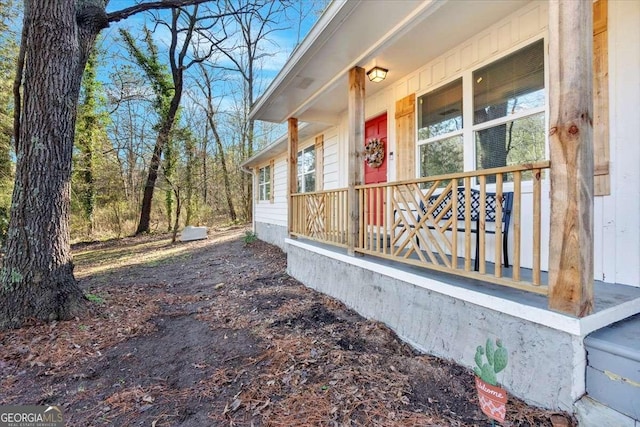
(177,72)
(176,224)
(37,276)
(205,177)
(86,133)
(150,185)
(154,165)
(225,174)
(189,179)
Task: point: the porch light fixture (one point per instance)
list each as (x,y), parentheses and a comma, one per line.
(377,74)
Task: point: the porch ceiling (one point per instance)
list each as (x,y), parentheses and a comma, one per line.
(398,35)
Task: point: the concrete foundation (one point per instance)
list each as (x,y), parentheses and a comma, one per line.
(271,233)
(546,365)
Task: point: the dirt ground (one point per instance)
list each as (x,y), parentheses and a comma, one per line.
(215,333)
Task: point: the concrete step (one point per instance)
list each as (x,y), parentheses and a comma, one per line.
(594,414)
(613,366)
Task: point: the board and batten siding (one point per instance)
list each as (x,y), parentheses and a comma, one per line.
(507,35)
(616,216)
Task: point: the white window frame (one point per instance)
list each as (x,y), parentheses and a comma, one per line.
(302,174)
(459,132)
(469,129)
(264,183)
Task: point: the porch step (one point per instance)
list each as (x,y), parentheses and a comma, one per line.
(613,366)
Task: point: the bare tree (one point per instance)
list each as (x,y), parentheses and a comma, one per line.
(184,26)
(129,127)
(254,30)
(36,281)
(206,87)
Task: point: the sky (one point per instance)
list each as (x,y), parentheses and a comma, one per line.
(283,42)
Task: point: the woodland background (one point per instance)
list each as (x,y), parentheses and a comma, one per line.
(209,65)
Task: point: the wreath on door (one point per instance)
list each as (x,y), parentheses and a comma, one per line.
(374,152)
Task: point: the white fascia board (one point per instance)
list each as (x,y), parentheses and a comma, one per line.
(326,18)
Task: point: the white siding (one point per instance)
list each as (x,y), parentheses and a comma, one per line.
(516,31)
(616,217)
(618,221)
(331,164)
(276,212)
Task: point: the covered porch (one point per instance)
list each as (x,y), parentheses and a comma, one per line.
(468,224)
(449,260)
(461,223)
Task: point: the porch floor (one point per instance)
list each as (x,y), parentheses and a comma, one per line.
(613,302)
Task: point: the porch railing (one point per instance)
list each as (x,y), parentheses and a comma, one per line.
(446,222)
(321,216)
(457,223)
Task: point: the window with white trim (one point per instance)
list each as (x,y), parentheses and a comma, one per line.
(307,170)
(440,125)
(508,125)
(264,183)
(509,109)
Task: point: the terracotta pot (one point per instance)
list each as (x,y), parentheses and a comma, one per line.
(493,400)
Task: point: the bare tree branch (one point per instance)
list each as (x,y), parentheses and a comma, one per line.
(143,7)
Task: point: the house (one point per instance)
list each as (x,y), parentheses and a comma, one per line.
(464,170)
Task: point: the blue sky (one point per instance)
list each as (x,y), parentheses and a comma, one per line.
(282,42)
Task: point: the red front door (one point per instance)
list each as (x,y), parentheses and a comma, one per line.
(376,128)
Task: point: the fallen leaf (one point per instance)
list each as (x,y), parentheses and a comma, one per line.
(235,405)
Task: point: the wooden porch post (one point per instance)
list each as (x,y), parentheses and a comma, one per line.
(571,150)
(293,169)
(356,166)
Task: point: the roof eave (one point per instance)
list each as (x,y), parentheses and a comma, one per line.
(305,131)
(328,15)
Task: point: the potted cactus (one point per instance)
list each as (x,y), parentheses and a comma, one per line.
(490,360)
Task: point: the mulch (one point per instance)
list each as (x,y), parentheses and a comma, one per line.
(222,336)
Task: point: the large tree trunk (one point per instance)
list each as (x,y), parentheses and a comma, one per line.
(37,276)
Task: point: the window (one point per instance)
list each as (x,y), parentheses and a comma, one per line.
(307,170)
(508,105)
(505,120)
(440,130)
(264,183)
